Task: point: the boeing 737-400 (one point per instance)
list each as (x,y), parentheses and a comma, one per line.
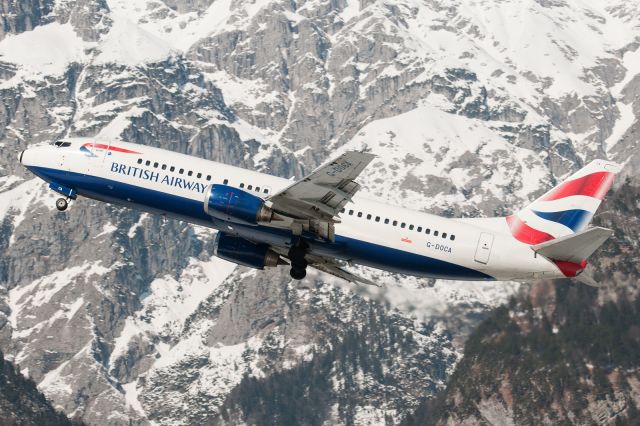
(320,222)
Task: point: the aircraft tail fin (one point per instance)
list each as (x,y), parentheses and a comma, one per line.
(566,209)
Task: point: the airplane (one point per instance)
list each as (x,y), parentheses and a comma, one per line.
(265,221)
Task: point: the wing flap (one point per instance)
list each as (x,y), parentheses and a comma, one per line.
(337,271)
(322,194)
(574,248)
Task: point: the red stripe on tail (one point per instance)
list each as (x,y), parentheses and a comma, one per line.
(570,269)
(526,234)
(594,185)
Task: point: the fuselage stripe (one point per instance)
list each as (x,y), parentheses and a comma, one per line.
(109,148)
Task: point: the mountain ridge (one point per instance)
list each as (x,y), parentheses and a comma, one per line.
(471,108)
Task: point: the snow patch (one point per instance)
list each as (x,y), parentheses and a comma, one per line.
(45,50)
(43,289)
(170,302)
(131,45)
(108,228)
(138,224)
(131,398)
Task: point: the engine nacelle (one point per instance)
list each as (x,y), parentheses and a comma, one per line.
(235,205)
(245,253)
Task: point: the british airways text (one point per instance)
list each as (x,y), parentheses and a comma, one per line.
(145,174)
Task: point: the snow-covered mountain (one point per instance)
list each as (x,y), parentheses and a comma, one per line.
(471,106)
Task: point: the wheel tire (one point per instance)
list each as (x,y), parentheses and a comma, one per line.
(298,273)
(61,204)
(297,259)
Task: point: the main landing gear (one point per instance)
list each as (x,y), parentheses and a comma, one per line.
(62,204)
(299,264)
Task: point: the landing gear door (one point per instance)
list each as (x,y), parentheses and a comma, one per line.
(483,250)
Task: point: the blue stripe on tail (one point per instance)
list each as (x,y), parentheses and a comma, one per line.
(573,219)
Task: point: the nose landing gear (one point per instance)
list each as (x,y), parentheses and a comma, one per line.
(69,193)
(299,264)
(62,204)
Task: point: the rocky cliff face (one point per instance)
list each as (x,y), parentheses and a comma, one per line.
(558,352)
(471,108)
(21,402)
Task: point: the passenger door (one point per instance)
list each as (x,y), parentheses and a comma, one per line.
(483,250)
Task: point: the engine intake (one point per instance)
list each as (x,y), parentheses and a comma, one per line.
(235,205)
(244,252)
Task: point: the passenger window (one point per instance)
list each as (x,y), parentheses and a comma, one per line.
(155,165)
(435,233)
(359,214)
(444,235)
(226,181)
(377,218)
(199,175)
(395,223)
(242,185)
(342,211)
(257,189)
(189,173)
(419,229)
(410,227)
(427,231)
(147,163)
(181,171)
(386,221)
(266,191)
(208,177)
(164,167)
(402,225)
(453,237)
(172,169)
(351,212)
(368,217)
(139,160)
(250,187)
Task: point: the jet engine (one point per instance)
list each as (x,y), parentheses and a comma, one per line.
(244,252)
(235,205)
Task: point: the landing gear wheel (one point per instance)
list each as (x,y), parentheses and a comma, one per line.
(298,273)
(299,264)
(61,204)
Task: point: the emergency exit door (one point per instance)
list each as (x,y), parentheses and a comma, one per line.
(484,248)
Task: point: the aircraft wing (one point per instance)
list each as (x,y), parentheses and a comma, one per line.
(321,195)
(333,268)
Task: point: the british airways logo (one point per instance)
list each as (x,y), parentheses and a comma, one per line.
(152,176)
(88,149)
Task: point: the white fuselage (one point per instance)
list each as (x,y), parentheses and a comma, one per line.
(371,233)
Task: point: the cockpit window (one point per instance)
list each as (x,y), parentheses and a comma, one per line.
(62,144)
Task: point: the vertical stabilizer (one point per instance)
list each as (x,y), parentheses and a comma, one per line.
(567,208)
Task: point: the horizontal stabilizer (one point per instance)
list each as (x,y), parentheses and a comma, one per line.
(574,248)
(586,277)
